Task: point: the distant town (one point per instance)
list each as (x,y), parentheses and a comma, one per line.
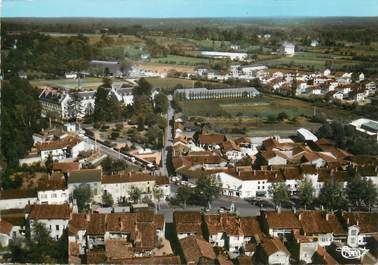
(191,144)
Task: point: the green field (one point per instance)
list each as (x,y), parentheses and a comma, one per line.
(181,60)
(169,83)
(314,60)
(260,107)
(86,83)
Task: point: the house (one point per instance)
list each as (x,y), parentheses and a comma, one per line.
(248,184)
(54,217)
(234,233)
(91,177)
(5,233)
(315,43)
(289,48)
(120,186)
(122,235)
(271,157)
(197,251)
(17,198)
(15,217)
(274,252)
(187,224)
(282,223)
(361,226)
(162,183)
(212,141)
(70,75)
(322,225)
(52,191)
(68,147)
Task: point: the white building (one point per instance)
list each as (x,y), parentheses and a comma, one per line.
(123,94)
(366,127)
(120,186)
(91,177)
(306,135)
(289,48)
(234,56)
(53,192)
(54,217)
(17,199)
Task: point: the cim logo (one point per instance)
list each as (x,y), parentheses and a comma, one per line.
(352,253)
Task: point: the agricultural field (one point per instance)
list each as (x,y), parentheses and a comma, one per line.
(227,115)
(262,107)
(183,60)
(249,116)
(86,83)
(168,84)
(312,60)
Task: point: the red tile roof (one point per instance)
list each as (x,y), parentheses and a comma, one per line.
(129,177)
(209,139)
(194,249)
(50,211)
(282,220)
(5,227)
(273,245)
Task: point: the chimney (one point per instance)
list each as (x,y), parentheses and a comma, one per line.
(294,209)
(279,209)
(327,216)
(88,217)
(300,217)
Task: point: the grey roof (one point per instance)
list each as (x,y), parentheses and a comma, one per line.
(371,126)
(221,90)
(84,176)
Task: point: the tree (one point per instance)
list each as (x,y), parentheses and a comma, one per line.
(332,195)
(370,195)
(280,193)
(361,191)
(107,199)
(161,103)
(158,195)
(306,192)
(101,103)
(20,118)
(282,116)
(135,194)
(209,188)
(40,247)
(184,193)
(144,88)
(49,163)
(74,106)
(83,195)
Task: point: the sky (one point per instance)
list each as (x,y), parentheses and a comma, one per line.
(187,8)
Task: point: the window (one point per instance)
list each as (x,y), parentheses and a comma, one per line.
(53,195)
(258,182)
(263,187)
(258,187)
(57,227)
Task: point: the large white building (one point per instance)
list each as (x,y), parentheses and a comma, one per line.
(204,93)
(289,48)
(366,127)
(234,56)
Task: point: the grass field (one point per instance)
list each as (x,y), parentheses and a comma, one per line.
(87,83)
(316,60)
(181,60)
(249,116)
(168,84)
(259,107)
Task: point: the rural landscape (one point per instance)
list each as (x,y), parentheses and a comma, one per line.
(180,139)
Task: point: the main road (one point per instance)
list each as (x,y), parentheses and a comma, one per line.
(168,137)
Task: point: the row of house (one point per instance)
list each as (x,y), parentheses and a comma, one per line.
(204,93)
(310,236)
(58,187)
